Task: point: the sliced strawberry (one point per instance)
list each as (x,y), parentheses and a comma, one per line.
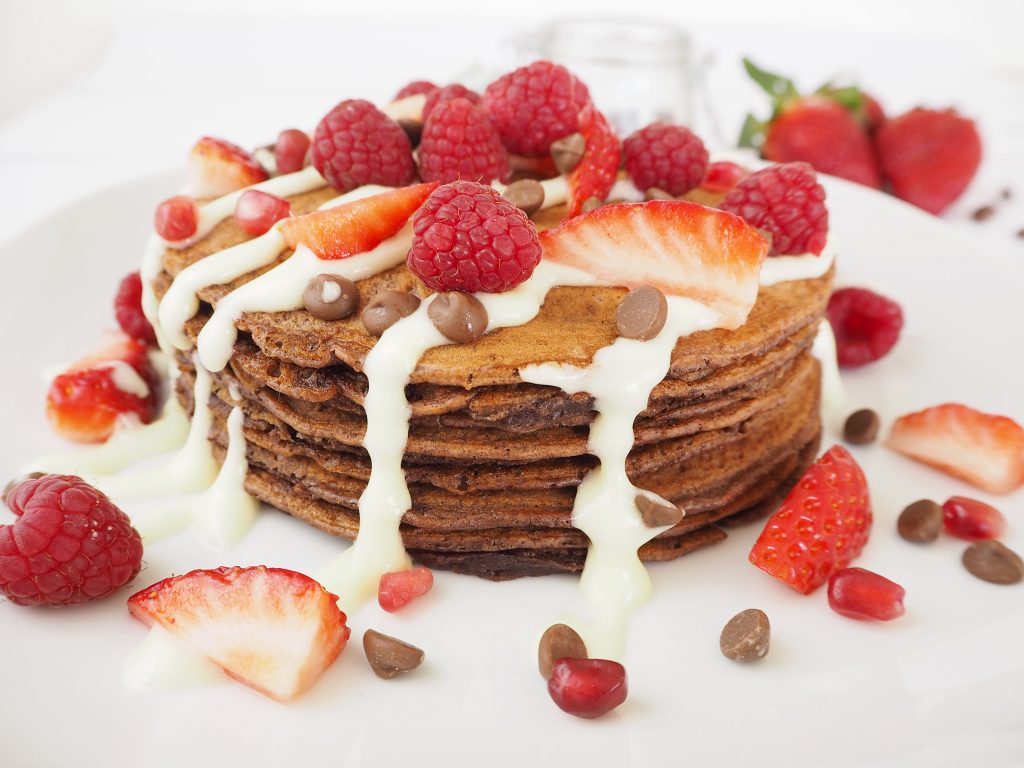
(84,403)
(274,630)
(399,588)
(216,167)
(682,248)
(358,226)
(983,449)
(596,171)
(821,527)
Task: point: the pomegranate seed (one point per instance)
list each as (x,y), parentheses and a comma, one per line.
(587,687)
(723,176)
(972,519)
(863,594)
(256,212)
(291,150)
(177,218)
(397,589)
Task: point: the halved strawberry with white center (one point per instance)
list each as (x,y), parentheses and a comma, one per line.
(84,403)
(681,248)
(596,171)
(358,226)
(273,629)
(983,449)
(217,167)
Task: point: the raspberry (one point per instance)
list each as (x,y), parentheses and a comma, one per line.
(787,202)
(290,150)
(128,309)
(399,588)
(535,105)
(177,218)
(256,212)
(666,156)
(449,92)
(415,88)
(467,237)
(357,144)
(70,544)
(866,324)
(460,142)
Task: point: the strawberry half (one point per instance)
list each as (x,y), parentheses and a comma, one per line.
(981,448)
(217,167)
(84,403)
(821,527)
(681,248)
(274,630)
(358,226)
(597,170)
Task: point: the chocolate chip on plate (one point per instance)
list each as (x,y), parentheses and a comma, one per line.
(747,636)
(984,212)
(657,193)
(15,482)
(387,308)
(559,641)
(389,656)
(413,129)
(567,151)
(592,203)
(330,297)
(994,562)
(920,522)
(458,316)
(657,512)
(641,314)
(861,427)
(525,194)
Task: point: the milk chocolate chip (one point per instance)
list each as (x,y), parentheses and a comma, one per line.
(13,484)
(458,316)
(559,641)
(387,308)
(330,297)
(641,313)
(389,656)
(861,427)
(747,636)
(993,562)
(525,194)
(920,522)
(567,151)
(657,512)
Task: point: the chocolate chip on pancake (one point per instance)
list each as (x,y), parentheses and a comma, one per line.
(525,194)
(559,641)
(657,512)
(389,656)
(861,427)
(994,562)
(387,308)
(330,297)
(747,636)
(568,151)
(642,313)
(458,316)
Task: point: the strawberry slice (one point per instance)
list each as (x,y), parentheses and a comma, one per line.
(681,248)
(217,167)
(981,448)
(84,403)
(596,171)
(821,527)
(272,629)
(358,226)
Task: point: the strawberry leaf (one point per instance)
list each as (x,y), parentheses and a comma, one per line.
(780,88)
(752,133)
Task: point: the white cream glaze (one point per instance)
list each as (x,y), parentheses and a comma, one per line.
(265,156)
(833,396)
(125,378)
(807,266)
(409,108)
(163,662)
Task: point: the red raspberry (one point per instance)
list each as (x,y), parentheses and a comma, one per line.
(866,324)
(128,309)
(177,218)
(256,212)
(357,144)
(399,588)
(467,237)
(666,156)
(70,544)
(291,150)
(460,142)
(449,92)
(415,88)
(787,202)
(535,105)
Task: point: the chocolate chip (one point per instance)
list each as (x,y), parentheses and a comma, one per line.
(994,562)
(920,522)
(1020,234)
(656,193)
(657,512)
(591,204)
(641,313)
(559,641)
(413,129)
(567,151)
(861,427)
(526,194)
(1006,193)
(387,308)
(458,316)
(984,212)
(14,483)
(389,656)
(330,297)
(747,636)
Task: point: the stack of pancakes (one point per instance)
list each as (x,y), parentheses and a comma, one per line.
(492,462)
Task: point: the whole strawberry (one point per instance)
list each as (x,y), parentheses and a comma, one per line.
(824,129)
(929,156)
(70,544)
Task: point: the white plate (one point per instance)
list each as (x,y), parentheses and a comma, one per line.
(942,685)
